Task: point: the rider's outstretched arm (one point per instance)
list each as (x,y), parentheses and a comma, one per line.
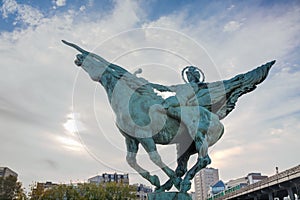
(160,88)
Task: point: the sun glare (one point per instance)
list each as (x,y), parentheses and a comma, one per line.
(70,139)
(73,124)
(70,143)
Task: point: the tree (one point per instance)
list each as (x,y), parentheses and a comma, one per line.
(114,191)
(36,191)
(10,188)
(60,192)
(90,191)
(19,192)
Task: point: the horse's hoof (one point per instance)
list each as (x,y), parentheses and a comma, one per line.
(154,181)
(166,186)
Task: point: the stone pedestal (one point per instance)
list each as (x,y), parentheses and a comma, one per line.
(169,196)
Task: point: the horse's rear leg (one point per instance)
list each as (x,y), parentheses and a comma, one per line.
(183,154)
(202,161)
(132,149)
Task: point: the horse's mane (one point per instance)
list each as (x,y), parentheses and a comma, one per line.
(139,85)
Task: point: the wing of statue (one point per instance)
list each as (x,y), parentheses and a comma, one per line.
(218,97)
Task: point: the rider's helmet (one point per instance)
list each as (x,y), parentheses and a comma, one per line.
(193,74)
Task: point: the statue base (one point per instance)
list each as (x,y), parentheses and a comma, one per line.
(169,196)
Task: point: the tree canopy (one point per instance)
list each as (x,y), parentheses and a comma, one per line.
(10,188)
(90,191)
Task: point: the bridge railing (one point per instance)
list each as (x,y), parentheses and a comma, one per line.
(261,184)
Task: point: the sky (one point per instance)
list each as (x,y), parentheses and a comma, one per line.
(57,125)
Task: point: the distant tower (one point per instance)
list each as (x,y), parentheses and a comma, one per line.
(203,180)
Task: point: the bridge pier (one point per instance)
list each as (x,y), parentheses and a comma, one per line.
(288,187)
(253,197)
(270,196)
(291,193)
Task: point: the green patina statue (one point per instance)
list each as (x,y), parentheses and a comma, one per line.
(190,118)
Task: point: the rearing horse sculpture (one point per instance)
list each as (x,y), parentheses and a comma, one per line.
(190,119)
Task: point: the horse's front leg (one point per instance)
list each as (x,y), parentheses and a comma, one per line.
(132,149)
(150,147)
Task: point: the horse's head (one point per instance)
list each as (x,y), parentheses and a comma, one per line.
(93,64)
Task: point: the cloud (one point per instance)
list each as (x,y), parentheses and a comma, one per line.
(232,26)
(24,14)
(221,158)
(8,7)
(59,3)
(82,8)
(231,7)
(73,123)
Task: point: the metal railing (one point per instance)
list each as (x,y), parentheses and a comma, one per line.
(276,179)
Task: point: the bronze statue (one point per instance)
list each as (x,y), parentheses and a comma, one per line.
(190,119)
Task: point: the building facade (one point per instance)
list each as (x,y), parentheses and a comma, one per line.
(246,180)
(40,188)
(203,180)
(255,177)
(142,191)
(6,172)
(242,182)
(105,178)
(216,188)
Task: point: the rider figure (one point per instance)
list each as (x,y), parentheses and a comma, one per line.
(185,92)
